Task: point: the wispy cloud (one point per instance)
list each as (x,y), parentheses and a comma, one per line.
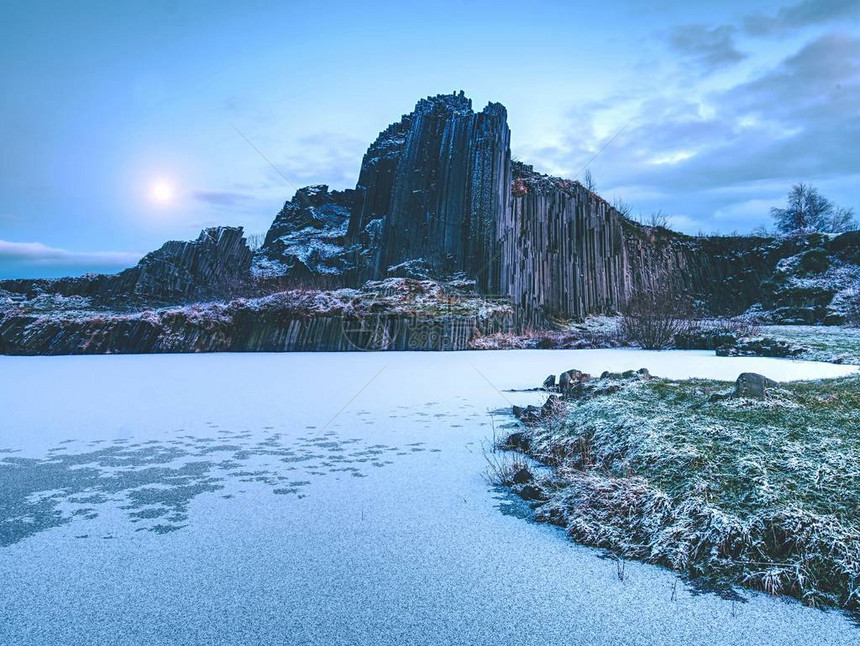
(800,15)
(34,259)
(324,158)
(709,47)
(700,153)
(221,198)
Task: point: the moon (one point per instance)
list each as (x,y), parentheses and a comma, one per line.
(162,192)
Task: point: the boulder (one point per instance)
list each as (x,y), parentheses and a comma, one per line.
(571,381)
(532,415)
(549,382)
(517,442)
(531,492)
(753,385)
(523,476)
(759,346)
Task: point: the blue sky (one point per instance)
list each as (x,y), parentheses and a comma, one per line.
(727,103)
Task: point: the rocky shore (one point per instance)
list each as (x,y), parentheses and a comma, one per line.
(747,485)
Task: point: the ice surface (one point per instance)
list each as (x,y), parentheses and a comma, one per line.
(201,499)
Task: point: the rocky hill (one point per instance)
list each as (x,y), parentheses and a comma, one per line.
(439,199)
(215,265)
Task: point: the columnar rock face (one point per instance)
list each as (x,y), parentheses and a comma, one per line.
(217,263)
(563,252)
(566,253)
(434,185)
(396,314)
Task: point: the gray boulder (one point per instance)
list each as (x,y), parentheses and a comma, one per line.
(753,385)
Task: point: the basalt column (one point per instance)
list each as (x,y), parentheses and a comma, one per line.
(563,254)
(436,185)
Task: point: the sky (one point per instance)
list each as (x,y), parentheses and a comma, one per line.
(121,122)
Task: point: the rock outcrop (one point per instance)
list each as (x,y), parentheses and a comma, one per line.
(563,253)
(307,240)
(215,265)
(397,314)
(432,187)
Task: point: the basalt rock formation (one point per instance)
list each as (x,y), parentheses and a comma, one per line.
(433,187)
(307,239)
(438,198)
(215,265)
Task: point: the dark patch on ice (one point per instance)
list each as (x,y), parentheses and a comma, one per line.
(512,505)
(154,482)
(705,585)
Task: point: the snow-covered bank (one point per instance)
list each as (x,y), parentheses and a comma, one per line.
(754,486)
(412,551)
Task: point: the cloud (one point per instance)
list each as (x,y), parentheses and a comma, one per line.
(709,47)
(34,259)
(221,198)
(803,14)
(697,153)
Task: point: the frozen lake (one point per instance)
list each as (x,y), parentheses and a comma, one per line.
(201,499)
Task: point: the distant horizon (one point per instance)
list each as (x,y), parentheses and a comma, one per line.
(122,130)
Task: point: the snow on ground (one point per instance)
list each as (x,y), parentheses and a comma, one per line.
(202,499)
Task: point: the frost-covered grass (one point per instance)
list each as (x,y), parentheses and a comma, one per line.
(821,343)
(389,297)
(594,332)
(764,493)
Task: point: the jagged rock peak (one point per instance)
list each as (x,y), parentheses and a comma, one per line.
(434,185)
(307,236)
(454,102)
(312,206)
(306,202)
(217,262)
(440,105)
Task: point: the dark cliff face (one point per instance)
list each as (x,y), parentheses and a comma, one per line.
(307,240)
(433,185)
(216,264)
(563,253)
(567,253)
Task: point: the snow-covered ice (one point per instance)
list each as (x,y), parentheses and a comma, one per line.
(201,499)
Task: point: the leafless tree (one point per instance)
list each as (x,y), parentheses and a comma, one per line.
(588,181)
(807,210)
(255,240)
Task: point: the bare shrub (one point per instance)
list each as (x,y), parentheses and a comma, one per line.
(623,207)
(502,466)
(651,319)
(657,220)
